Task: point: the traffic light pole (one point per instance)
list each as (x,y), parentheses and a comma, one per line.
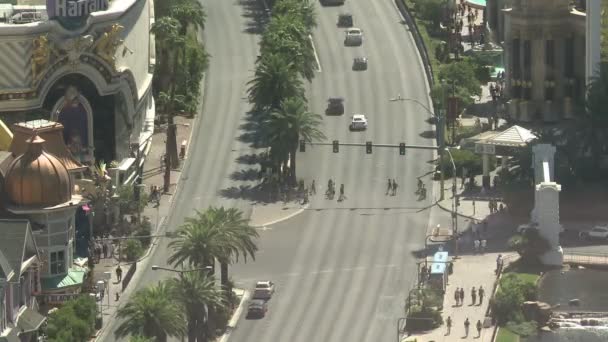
(420,147)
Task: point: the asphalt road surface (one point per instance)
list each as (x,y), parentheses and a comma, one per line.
(212,172)
(343,269)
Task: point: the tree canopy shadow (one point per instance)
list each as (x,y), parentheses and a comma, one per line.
(428,134)
(245,175)
(256,15)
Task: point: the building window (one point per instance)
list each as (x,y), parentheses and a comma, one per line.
(57,262)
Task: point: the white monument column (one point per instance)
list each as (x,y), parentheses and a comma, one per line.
(592,39)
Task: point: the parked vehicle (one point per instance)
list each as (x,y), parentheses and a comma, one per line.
(597,232)
(27,17)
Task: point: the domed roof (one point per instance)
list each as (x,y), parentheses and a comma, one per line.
(37,178)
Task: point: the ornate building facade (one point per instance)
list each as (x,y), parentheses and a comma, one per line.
(89,70)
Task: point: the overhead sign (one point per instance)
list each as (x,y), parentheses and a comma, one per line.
(73,14)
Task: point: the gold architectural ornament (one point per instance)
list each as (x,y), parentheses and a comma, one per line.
(41,57)
(107,43)
(75,47)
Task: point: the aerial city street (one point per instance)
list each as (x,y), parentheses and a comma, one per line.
(303,170)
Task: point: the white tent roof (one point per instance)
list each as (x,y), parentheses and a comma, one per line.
(513,136)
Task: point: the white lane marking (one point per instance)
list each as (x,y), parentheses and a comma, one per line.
(314,50)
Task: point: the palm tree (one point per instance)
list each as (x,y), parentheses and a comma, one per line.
(274,81)
(190,13)
(291,123)
(288,36)
(195,291)
(217,233)
(151,313)
(304,9)
(140,338)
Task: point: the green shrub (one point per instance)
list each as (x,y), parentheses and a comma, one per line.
(74,321)
(144,229)
(464,159)
(513,291)
(133,249)
(523,329)
(420,319)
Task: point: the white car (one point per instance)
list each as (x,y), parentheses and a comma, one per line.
(523,227)
(597,232)
(354,36)
(263,290)
(359,121)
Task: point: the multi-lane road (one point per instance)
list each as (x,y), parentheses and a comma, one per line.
(342,268)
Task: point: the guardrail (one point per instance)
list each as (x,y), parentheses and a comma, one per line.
(428,68)
(586,258)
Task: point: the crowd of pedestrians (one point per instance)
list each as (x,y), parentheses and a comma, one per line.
(101,248)
(459,295)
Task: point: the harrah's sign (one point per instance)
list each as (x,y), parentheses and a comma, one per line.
(73,13)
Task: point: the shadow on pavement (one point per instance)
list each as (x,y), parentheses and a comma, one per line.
(256,14)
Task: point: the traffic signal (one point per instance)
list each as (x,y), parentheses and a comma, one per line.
(336,146)
(402,149)
(368,147)
(302,146)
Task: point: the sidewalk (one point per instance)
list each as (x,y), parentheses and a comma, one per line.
(152,175)
(470,269)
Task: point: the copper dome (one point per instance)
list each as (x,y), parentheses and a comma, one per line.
(37,178)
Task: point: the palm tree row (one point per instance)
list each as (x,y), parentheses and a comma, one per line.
(176,307)
(276,91)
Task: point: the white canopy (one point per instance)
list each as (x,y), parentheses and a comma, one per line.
(514,136)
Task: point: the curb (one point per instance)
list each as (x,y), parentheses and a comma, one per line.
(235,317)
(281,219)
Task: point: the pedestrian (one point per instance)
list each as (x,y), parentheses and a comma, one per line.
(313,188)
(118,273)
(104,249)
(341,193)
(389,187)
(484,244)
(476,243)
(395,185)
(461,295)
(498,263)
(110,248)
(457,296)
(479,326)
(473,207)
(485,227)
(448,324)
(481,293)
(473,295)
(466,327)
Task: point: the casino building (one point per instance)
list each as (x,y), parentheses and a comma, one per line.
(86,64)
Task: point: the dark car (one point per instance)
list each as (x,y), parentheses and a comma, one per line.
(332,2)
(360,63)
(335,106)
(345,20)
(257,308)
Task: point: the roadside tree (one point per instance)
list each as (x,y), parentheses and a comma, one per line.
(288,125)
(151,313)
(195,291)
(274,81)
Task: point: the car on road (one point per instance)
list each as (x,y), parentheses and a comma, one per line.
(353,37)
(360,63)
(358,122)
(257,308)
(263,290)
(521,229)
(345,20)
(335,106)
(597,232)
